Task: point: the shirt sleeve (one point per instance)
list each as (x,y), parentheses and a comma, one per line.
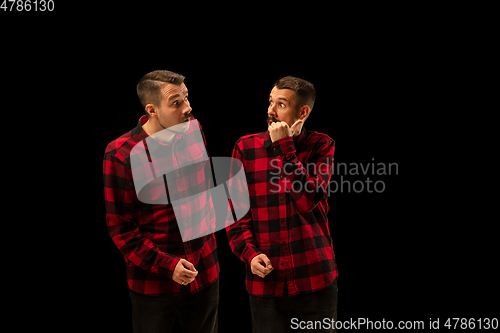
(120,200)
(240,234)
(307,184)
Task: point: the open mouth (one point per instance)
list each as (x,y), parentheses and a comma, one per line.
(271,119)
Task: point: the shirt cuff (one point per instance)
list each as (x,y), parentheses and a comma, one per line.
(250,253)
(166,265)
(283,146)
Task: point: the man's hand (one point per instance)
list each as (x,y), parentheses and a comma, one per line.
(280,130)
(184,272)
(261,265)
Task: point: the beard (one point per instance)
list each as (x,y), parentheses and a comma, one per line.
(183,126)
(187,118)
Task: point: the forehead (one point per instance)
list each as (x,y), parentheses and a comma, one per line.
(287,94)
(170,89)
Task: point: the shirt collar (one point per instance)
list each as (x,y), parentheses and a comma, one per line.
(138,130)
(152,144)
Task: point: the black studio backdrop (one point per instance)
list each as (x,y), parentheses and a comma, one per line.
(421,249)
(398,258)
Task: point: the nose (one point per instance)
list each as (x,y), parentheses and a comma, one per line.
(188,109)
(271,111)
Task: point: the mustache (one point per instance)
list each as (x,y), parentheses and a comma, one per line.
(189,117)
(271,119)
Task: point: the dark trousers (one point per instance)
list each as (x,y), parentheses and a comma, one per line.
(280,314)
(196,313)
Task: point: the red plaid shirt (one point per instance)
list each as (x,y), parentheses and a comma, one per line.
(288,217)
(148,235)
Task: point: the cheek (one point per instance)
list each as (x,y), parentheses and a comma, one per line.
(167,116)
(284,114)
(173,116)
(170,113)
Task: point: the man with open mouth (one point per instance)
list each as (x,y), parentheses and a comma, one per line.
(284,240)
(168,278)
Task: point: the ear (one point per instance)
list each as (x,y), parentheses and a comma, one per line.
(304,111)
(151,110)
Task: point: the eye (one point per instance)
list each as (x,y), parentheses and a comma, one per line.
(175,103)
(186,98)
(270,103)
(281,105)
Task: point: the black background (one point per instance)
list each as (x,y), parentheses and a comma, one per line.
(402,254)
(387,91)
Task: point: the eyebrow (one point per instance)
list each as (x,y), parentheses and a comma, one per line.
(173,96)
(282,98)
(176,95)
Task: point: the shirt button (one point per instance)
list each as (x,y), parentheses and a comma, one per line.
(283,243)
(281,198)
(282,263)
(282,220)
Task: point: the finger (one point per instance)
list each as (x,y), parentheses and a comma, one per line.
(296,123)
(189,274)
(188,268)
(188,265)
(262,274)
(259,270)
(187,279)
(267,262)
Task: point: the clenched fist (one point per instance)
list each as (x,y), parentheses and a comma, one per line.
(184,272)
(280,129)
(261,265)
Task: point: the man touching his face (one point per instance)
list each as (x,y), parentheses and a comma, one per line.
(284,240)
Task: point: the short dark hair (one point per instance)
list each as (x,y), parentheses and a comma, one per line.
(148,88)
(305,94)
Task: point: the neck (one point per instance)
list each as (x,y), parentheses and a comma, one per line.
(152,127)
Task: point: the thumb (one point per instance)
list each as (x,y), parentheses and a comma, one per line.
(189,265)
(267,262)
(299,121)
